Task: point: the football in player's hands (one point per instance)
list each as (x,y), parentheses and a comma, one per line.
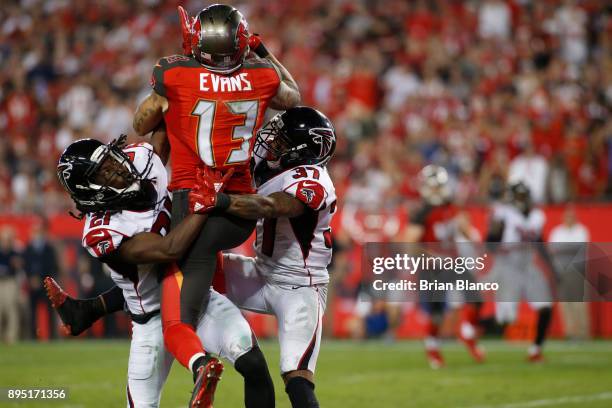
(203,195)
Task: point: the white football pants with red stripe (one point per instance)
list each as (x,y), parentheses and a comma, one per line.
(298,310)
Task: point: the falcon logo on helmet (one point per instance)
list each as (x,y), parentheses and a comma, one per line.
(64,170)
(298,136)
(325,138)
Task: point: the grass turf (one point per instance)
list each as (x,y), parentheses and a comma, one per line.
(349,375)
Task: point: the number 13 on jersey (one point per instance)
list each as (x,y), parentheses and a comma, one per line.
(214,135)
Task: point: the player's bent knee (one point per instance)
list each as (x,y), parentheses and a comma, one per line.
(252,363)
(240,345)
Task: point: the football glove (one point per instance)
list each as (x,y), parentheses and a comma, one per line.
(207,193)
(186,24)
(257,46)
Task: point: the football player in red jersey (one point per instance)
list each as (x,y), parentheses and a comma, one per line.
(212,100)
(439,220)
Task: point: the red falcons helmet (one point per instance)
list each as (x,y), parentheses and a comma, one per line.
(217,37)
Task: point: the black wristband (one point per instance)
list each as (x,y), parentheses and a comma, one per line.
(223,201)
(261,50)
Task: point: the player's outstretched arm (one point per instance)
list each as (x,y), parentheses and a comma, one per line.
(288,93)
(148,247)
(149,113)
(254,206)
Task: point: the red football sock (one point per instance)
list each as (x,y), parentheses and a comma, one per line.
(469,314)
(432,329)
(183,343)
(180,338)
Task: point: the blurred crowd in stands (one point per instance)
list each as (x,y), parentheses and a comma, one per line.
(490,89)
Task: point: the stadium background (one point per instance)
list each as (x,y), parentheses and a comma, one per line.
(489,89)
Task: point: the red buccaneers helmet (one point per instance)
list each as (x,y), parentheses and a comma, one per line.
(217,37)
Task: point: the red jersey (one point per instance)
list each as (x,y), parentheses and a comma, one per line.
(212,118)
(437,222)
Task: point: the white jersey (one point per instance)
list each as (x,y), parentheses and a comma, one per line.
(519,227)
(104,232)
(515,270)
(298,250)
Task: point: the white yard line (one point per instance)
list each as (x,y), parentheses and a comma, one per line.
(552,401)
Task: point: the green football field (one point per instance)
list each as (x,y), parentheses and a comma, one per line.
(349,374)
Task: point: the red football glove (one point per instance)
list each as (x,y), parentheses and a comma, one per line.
(186,24)
(257,46)
(254,41)
(203,198)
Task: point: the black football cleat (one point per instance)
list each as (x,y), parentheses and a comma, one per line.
(207,377)
(77,315)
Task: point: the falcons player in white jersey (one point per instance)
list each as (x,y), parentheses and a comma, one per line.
(515,267)
(122,192)
(294,206)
